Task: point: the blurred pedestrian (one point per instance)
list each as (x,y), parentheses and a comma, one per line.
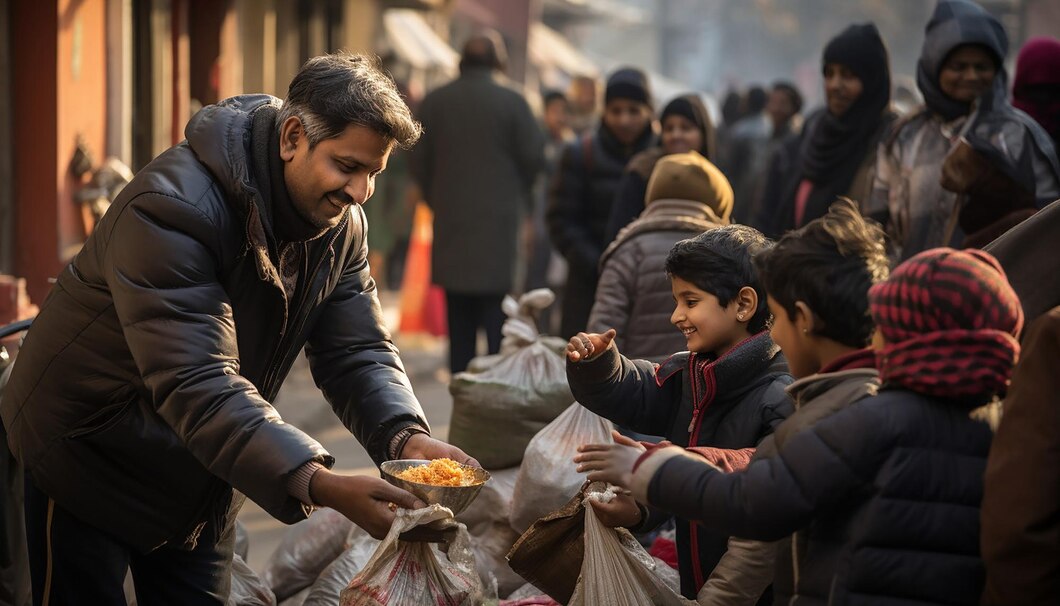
(746,151)
(686,196)
(476,164)
(966,165)
(583,191)
(686,126)
(546,267)
(584,97)
(141,401)
(1036,88)
(835,155)
(784,110)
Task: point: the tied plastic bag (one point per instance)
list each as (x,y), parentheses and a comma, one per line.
(329,585)
(616,570)
(548,478)
(247,588)
(402,572)
(498,410)
(306,549)
(242,545)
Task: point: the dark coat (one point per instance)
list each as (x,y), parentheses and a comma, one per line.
(887,492)
(142,395)
(633,295)
(1021,501)
(580,200)
(746,403)
(475,164)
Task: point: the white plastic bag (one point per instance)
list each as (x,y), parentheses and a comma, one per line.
(616,570)
(306,549)
(329,585)
(247,588)
(402,572)
(493,503)
(497,410)
(548,477)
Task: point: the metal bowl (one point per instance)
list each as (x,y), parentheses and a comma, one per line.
(456,498)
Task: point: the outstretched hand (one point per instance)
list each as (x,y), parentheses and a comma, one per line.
(611,463)
(584,346)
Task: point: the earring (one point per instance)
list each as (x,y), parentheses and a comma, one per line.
(805,331)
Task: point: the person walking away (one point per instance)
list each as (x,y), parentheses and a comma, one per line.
(835,155)
(686,126)
(476,164)
(583,191)
(966,164)
(140,403)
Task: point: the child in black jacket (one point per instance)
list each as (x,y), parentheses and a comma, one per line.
(727,391)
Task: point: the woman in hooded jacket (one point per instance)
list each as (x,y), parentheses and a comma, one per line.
(686,126)
(967,166)
(835,154)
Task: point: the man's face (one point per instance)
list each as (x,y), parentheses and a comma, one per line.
(626,119)
(324,181)
(780,107)
(967,73)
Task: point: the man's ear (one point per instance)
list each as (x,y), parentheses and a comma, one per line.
(291,134)
(804,318)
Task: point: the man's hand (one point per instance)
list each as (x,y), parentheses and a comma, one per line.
(423,446)
(584,346)
(621,512)
(364,500)
(611,463)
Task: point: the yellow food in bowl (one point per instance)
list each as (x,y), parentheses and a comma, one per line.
(439,472)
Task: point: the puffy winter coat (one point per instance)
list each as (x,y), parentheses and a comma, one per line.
(142,396)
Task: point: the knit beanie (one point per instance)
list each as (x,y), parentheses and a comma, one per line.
(690,176)
(628,83)
(950,319)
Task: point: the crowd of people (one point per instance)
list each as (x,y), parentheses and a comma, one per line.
(806,323)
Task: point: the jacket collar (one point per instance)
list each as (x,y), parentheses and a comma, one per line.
(666,215)
(859,366)
(735,371)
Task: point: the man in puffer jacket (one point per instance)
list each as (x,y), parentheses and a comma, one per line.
(140,403)
(686,196)
(888,489)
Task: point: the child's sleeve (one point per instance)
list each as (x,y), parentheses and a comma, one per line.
(772,497)
(625,391)
(776,406)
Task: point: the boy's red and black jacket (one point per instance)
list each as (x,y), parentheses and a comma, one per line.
(732,402)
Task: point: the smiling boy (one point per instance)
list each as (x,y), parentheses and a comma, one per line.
(727,391)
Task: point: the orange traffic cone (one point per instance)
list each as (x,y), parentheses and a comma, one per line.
(422,303)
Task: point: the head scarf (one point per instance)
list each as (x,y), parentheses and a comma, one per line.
(691,107)
(1036,87)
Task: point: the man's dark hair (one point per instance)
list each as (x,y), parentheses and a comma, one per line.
(793,94)
(485,49)
(552,96)
(829,264)
(718,261)
(757,98)
(333,91)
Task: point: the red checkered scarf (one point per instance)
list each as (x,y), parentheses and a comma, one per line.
(950,319)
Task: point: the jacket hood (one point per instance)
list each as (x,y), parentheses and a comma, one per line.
(219,135)
(956,23)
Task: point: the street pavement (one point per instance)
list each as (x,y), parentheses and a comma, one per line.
(301,404)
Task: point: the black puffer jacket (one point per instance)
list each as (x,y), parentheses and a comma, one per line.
(141,397)
(580,198)
(887,492)
(735,402)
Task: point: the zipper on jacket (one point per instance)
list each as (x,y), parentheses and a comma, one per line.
(693,428)
(794,567)
(281,353)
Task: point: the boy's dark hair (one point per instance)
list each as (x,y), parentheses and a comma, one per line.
(829,264)
(757,98)
(718,261)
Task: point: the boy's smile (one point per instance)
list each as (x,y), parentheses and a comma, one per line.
(708,326)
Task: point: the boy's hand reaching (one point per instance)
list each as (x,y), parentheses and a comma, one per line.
(611,463)
(621,512)
(584,346)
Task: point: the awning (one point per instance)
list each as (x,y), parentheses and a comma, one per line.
(414,41)
(550,53)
